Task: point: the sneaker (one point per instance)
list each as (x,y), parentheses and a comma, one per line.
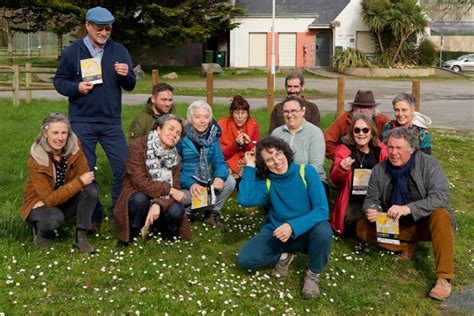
(442,290)
(311,285)
(280,270)
(214,219)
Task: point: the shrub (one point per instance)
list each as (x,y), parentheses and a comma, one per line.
(426,52)
(348,57)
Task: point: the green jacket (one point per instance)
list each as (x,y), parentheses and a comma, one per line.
(143,122)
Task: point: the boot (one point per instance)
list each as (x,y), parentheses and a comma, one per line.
(39,239)
(213,218)
(311,285)
(185,229)
(81,242)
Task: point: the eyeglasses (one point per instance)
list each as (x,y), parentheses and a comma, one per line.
(292,112)
(277,156)
(364,130)
(107,28)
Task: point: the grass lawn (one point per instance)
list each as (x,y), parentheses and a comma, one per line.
(201,276)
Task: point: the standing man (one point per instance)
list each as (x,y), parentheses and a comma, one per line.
(160,102)
(95,109)
(294,85)
(411,187)
(364,102)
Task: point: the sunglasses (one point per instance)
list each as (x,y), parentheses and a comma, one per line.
(364,130)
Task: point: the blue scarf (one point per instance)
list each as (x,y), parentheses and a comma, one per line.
(400,194)
(204,140)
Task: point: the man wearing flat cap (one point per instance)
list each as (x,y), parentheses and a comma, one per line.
(364,102)
(95,97)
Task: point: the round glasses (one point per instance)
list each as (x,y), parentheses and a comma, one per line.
(364,130)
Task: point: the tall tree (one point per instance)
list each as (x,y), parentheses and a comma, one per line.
(167,22)
(396,24)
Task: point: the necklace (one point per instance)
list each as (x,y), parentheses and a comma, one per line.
(361,161)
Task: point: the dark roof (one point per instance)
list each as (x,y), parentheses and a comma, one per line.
(324,11)
(453,27)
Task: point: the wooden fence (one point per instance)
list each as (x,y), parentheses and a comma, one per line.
(28,85)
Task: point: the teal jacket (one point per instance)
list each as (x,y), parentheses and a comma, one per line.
(289,200)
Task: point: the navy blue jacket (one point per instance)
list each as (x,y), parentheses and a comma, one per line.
(103,103)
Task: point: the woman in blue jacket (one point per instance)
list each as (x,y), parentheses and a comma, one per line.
(201,153)
(297,217)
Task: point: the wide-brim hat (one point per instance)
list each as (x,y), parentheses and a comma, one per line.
(364,99)
(99,15)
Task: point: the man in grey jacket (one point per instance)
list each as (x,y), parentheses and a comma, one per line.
(412,188)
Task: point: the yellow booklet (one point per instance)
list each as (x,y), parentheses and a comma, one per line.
(205,200)
(360,181)
(388,230)
(91,70)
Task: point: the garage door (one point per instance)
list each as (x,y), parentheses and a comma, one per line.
(287,49)
(257,49)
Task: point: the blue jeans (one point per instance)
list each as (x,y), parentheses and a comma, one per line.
(168,222)
(265,250)
(112,140)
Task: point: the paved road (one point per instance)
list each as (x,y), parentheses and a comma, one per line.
(449,103)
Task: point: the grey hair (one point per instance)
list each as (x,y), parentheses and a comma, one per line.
(294,75)
(162,119)
(407,97)
(52,118)
(405,133)
(375,107)
(199,104)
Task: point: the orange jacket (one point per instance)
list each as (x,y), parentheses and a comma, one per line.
(233,152)
(41,177)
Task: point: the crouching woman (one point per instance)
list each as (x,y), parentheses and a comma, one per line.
(151,195)
(297,217)
(59,184)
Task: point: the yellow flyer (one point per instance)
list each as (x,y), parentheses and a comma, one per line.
(91,70)
(388,230)
(205,200)
(360,181)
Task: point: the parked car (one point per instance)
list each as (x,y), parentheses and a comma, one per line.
(462,63)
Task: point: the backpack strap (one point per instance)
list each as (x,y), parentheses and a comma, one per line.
(302,175)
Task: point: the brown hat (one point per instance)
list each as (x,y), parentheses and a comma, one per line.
(364,99)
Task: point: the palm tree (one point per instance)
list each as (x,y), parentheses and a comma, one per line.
(406,19)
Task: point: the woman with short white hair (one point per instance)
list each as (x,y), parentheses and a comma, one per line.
(201,152)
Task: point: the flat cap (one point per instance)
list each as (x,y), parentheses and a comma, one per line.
(99,15)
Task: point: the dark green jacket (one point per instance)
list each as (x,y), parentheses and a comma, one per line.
(143,122)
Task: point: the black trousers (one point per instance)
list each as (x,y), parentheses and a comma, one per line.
(168,222)
(80,206)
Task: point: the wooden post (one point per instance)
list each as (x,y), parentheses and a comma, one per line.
(154,76)
(28,82)
(210,88)
(270,93)
(341,85)
(16,85)
(415,91)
